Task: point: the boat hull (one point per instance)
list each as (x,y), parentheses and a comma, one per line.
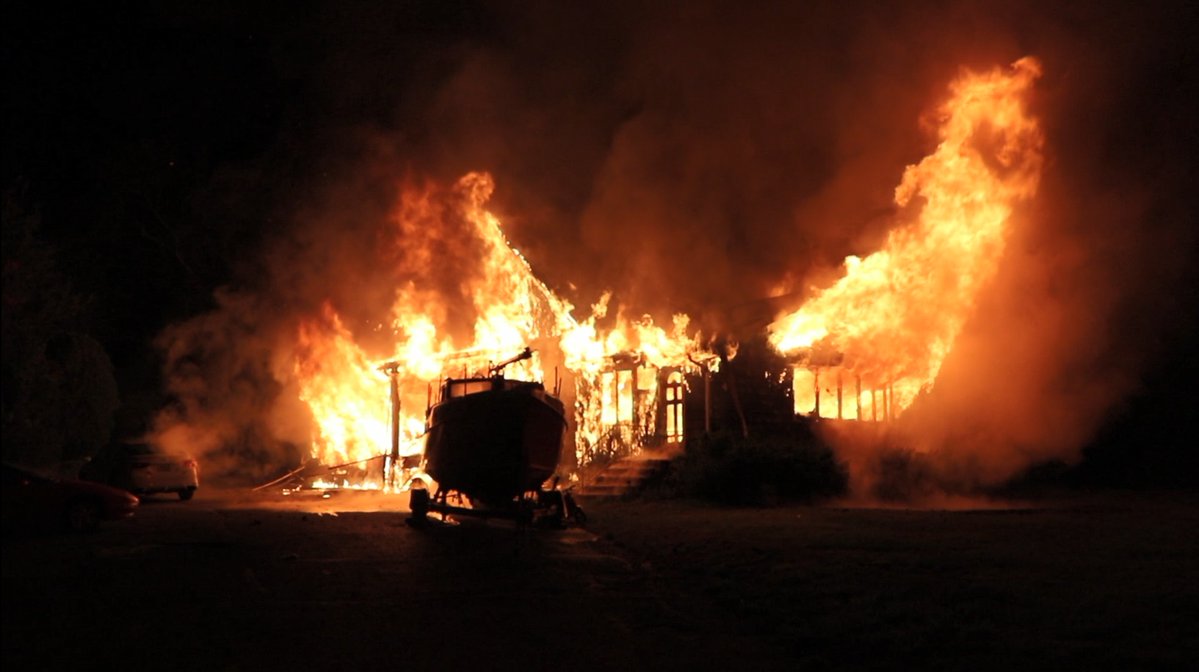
(494,446)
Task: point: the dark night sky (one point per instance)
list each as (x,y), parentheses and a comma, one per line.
(170,146)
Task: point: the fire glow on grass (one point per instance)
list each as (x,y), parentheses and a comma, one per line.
(454,262)
(877,337)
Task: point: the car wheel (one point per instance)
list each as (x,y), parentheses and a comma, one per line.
(185,495)
(83,515)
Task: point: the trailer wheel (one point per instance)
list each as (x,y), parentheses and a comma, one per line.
(574,511)
(578,516)
(525,512)
(418,502)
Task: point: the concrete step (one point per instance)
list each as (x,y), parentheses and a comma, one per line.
(624,477)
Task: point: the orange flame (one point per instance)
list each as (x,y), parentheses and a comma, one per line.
(457,273)
(337,383)
(894,315)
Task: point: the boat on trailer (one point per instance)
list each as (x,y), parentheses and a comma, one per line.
(495,442)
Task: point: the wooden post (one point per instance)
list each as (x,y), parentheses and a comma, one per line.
(858,396)
(707,399)
(390,477)
(816,383)
(840,414)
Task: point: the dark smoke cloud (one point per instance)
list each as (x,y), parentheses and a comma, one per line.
(705,155)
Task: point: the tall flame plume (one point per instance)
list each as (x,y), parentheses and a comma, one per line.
(888,323)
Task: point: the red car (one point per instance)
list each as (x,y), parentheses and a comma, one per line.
(36,502)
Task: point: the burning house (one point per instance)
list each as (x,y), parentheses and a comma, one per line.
(861,349)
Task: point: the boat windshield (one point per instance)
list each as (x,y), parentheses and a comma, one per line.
(468,386)
(461,388)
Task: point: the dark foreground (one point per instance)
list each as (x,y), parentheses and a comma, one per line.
(228,582)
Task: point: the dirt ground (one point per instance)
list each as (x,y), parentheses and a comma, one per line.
(238,581)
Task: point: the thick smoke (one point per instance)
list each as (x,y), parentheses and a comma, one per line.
(235,408)
(701,157)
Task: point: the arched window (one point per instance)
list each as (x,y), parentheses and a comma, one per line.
(674,407)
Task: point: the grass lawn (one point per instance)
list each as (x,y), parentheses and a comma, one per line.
(1074,581)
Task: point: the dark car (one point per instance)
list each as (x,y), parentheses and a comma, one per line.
(143,469)
(34,501)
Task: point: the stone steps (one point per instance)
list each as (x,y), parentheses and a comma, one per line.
(625,477)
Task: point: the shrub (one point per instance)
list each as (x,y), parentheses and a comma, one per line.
(759,470)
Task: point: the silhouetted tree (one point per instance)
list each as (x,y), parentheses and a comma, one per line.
(59,393)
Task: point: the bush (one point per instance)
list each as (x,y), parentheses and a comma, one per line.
(759,471)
